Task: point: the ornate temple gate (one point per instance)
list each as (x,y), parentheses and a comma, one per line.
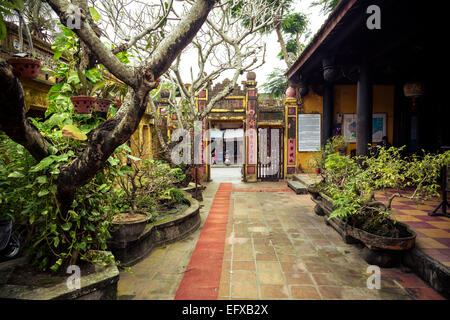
(268,158)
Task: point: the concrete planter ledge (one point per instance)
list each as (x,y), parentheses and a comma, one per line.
(179,227)
(430,270)
(100,285)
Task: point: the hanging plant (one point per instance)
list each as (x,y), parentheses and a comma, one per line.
(84,84)
(24,64)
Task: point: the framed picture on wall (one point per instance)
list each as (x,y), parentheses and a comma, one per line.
(378,127)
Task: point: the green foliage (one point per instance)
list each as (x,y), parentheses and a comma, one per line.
(351,182)
(144,184)
(28,195)
(28,189)
(291,46)
(276,84)
(327,5)
(239,13)
(7,8)
(294,23)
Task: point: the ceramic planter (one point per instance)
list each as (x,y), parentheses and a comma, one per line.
(83,104)
(25,67)
(102,105)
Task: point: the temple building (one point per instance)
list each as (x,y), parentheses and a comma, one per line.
(372,70)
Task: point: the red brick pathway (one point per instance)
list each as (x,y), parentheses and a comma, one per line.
(202,276)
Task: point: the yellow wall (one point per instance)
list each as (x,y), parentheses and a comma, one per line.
(345,98)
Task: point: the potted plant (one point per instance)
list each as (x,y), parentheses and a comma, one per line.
(83,89)
(107,95)
(142,185)
(24,63)
(346,194)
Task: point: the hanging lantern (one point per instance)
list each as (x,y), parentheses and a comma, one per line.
(413,90)
(290,93)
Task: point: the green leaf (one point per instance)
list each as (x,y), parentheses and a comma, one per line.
(31,220)
(66,226)
(133,157)
(57,55)
(43,193)
(113,161)
(94,13)
(56,241)
(2,28)
(43,164)
(41,179)
(73,132)
(16,174)
(56,266)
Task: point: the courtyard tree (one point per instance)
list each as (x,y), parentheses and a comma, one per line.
(223,45)
(69,170)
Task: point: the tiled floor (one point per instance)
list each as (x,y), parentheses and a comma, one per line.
(433,233)
(274,247)
(277,248)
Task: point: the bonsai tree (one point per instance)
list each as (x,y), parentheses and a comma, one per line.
(144,184)
(351,184)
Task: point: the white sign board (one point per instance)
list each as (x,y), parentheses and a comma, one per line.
(309,128)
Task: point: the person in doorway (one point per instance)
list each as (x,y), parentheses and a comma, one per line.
(384,142)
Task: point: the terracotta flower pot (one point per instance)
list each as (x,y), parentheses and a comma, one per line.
(83,104)
(200,174)
(102,105)
(25,67)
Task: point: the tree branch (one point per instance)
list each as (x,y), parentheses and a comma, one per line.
(13,120)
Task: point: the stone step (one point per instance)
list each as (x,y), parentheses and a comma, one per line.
(296,177)
(298,187)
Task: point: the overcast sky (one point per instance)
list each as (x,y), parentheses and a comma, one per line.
(316,19)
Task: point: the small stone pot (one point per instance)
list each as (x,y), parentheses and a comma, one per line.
(83,104)
(25,67)
(102,105)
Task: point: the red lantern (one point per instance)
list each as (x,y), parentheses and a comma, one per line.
(290,93)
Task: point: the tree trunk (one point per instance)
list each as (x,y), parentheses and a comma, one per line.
(282,43)
(12,119)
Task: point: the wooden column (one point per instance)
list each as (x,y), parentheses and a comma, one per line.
(364,111)
(327,125)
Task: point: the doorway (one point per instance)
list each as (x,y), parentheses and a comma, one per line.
(227,150)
